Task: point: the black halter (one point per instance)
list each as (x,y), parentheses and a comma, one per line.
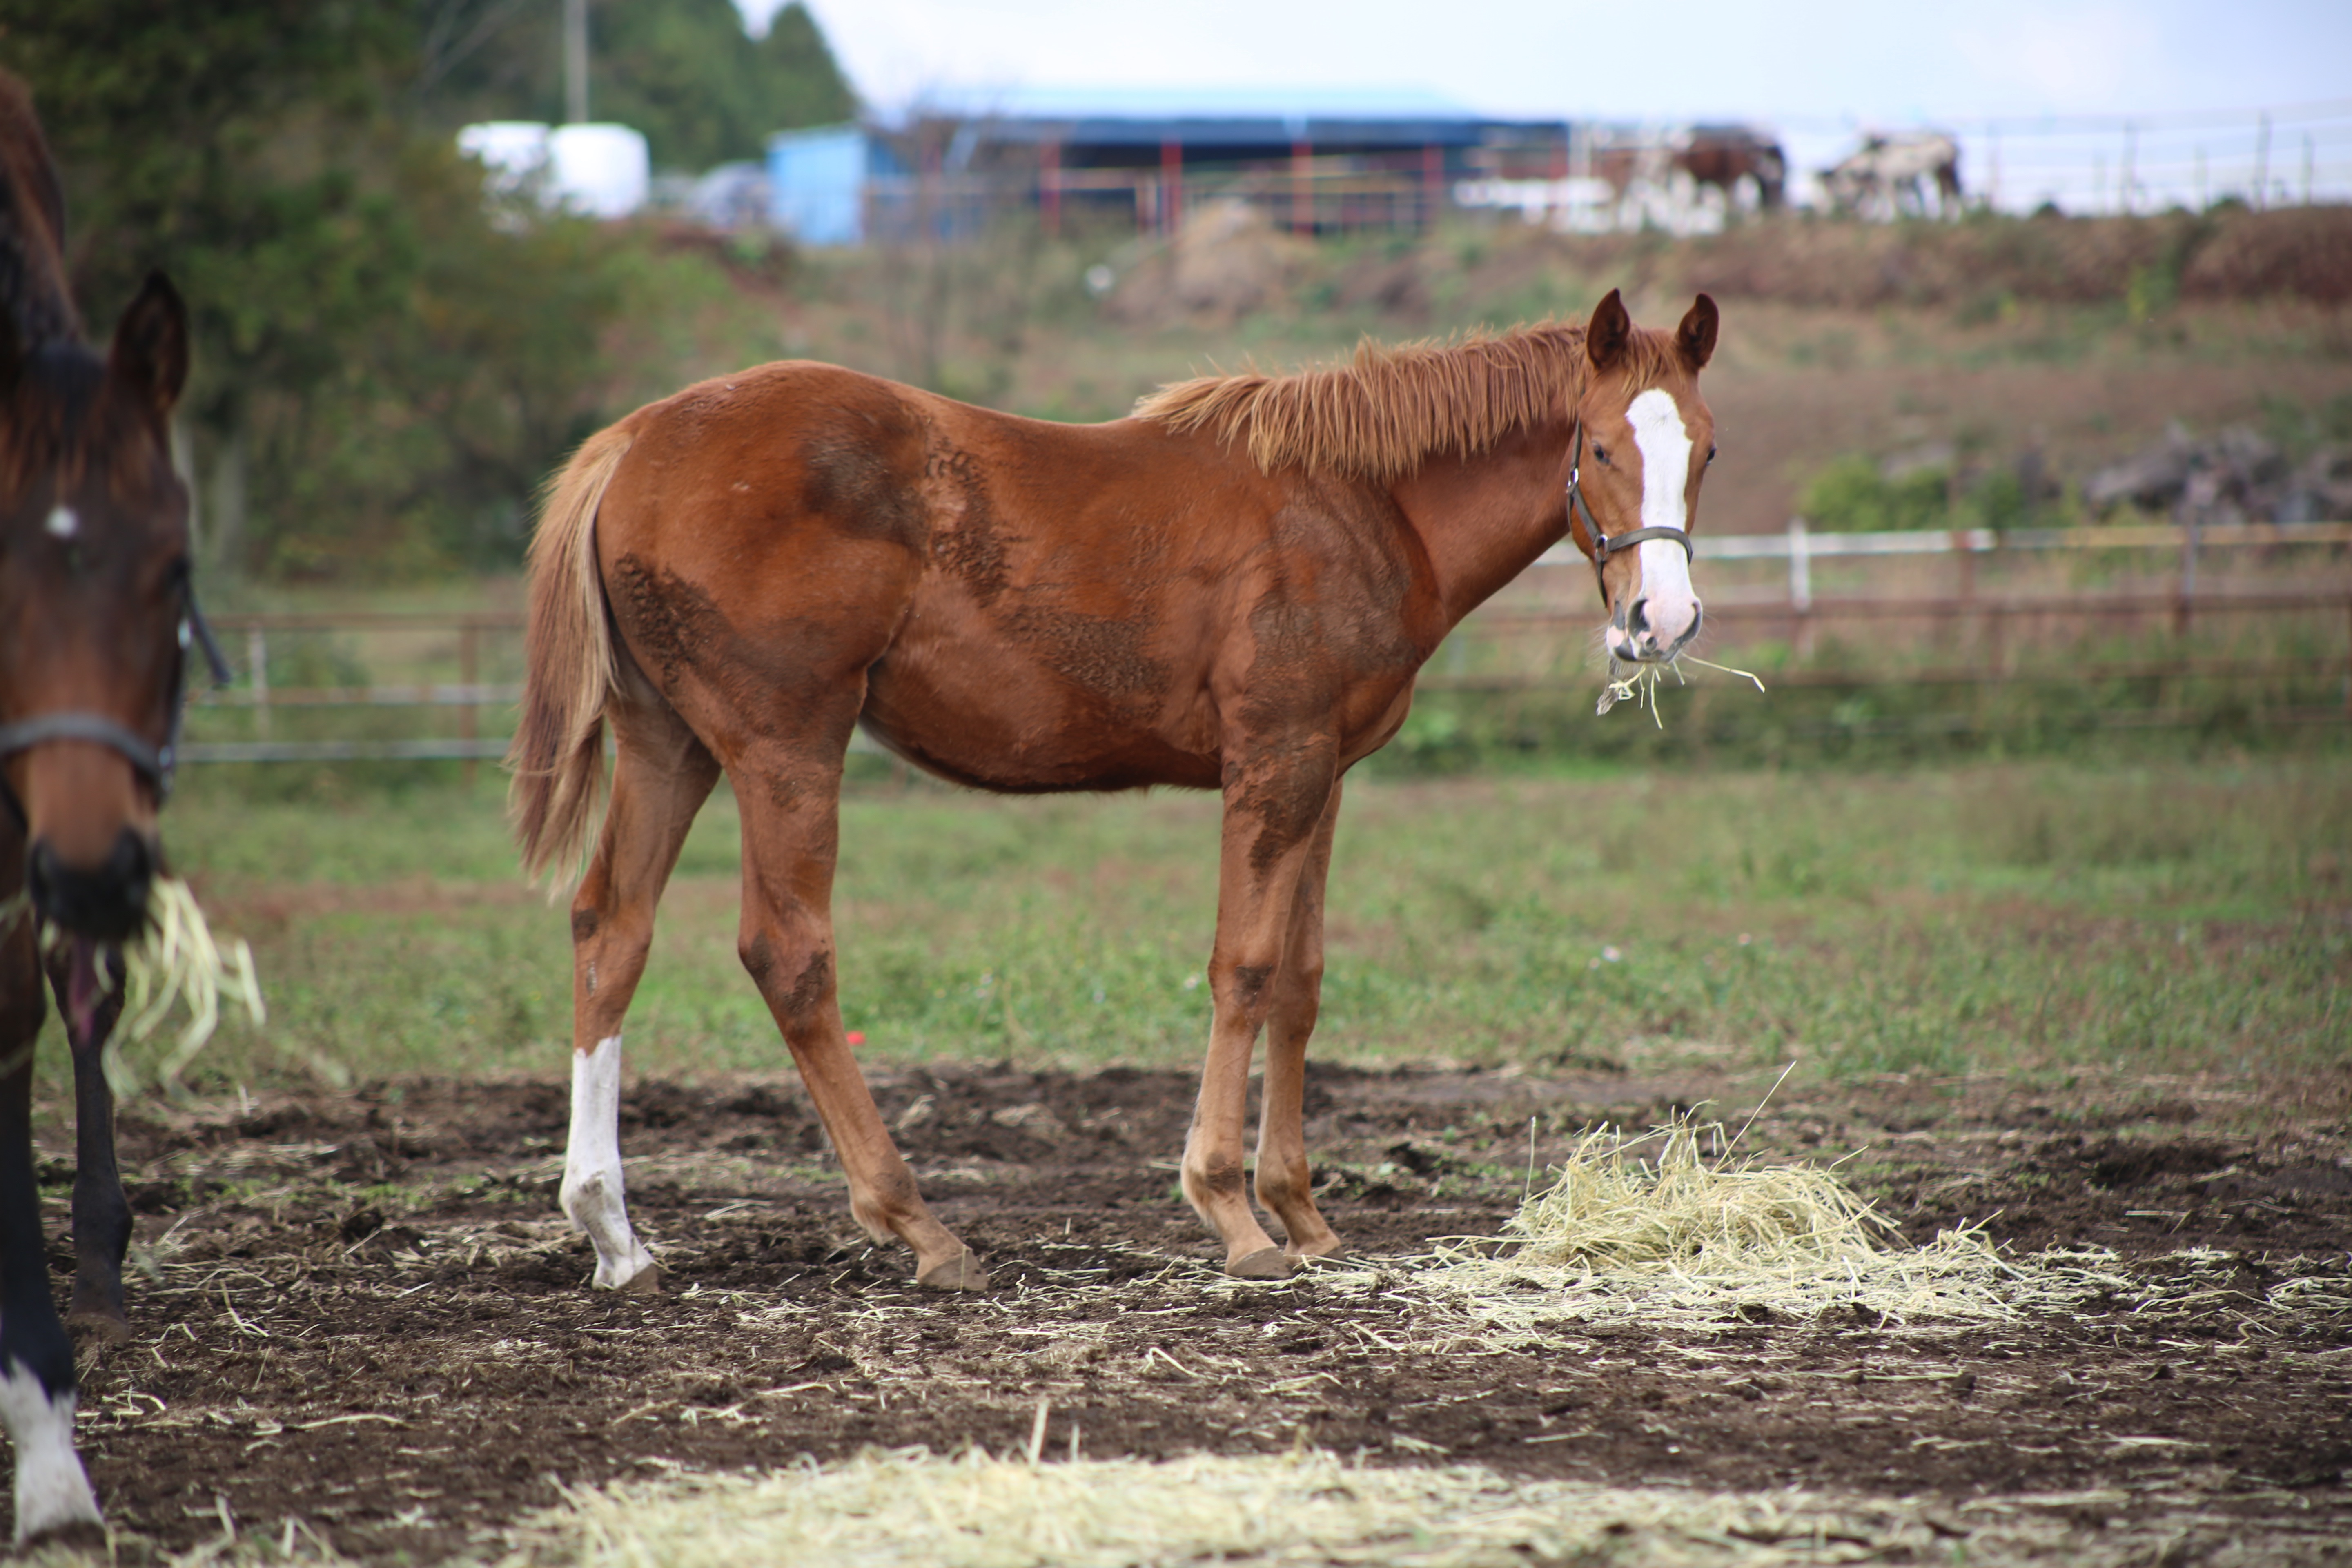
(154,763)
(1605,545)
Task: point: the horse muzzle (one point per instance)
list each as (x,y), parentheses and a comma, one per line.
(1651,630)
(106,900)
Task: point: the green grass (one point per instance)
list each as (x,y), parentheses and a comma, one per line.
(2031,918)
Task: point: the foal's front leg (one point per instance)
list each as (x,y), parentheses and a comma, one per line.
(91,1000)
(1273,803)
(1285,1183)
(37,1393)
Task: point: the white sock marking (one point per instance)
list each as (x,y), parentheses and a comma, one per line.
(51,1489)
(592,1166)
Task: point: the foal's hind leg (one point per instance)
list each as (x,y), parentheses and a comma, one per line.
(660,780)
(790,797)
(101,1216)
(1285,1185)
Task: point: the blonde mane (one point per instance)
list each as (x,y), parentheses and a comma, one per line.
(1389,409)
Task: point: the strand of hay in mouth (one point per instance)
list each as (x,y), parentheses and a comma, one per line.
(1647,1229)
(174,961)
(909,1509)
(1641,687)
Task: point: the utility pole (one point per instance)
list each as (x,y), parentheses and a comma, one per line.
(576,61)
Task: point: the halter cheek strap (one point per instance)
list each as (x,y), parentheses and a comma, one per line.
(154,763)
(1603,546)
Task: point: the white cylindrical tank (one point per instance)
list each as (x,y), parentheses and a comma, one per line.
(602,170)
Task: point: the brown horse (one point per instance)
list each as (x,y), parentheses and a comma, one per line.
(94,619)
(1231,590)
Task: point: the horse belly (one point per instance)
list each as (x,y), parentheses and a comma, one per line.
(994,714)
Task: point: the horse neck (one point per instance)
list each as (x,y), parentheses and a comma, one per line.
(1484,519)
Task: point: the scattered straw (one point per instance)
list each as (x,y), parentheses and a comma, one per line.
(885,1509)
(1647,1228)
(174,962)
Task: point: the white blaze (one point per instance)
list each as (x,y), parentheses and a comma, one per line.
(1665,446)
(63,522)
(592,1166)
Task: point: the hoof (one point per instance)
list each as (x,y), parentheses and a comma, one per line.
(961,1272)
(96,1326)
(1320,1249)
(646,1281)
(1265,1263)
(78,1535)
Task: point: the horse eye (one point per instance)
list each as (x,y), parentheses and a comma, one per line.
(1600,454)
(1710,454)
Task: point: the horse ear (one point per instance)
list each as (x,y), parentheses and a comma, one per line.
(1609,332)
(1695,336)
(150,345)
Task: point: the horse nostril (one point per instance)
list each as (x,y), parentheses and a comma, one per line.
(1637,619)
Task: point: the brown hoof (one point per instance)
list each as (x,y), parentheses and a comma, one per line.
(961,1272)
(91,1326)
(643,1282)
(1265,1263)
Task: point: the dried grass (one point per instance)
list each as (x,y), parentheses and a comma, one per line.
(975,1511)
(1648,1228)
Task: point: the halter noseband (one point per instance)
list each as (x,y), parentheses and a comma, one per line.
(154,763)
(1605,545)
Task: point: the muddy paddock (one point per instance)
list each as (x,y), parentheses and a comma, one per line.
(361,1309)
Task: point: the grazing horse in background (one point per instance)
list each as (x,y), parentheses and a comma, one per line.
(1724,156)
(1232,590)
(1889,176)
(95,618)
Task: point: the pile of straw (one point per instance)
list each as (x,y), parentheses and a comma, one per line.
(910,1509)
(1648,1228)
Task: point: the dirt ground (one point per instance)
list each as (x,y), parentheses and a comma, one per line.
(362,1310)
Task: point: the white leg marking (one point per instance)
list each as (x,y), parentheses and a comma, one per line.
(51,1489)
(592,1166)
(1671,607)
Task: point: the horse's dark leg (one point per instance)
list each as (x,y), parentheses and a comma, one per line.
(37,1363)
(660,778)
(101,1216)
(791,803)
(1275,798)
(1285,1185)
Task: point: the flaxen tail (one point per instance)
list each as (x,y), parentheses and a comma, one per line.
(557,755)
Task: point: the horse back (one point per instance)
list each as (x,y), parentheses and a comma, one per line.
(1029,605)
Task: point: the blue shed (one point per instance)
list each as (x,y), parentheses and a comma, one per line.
(818,181)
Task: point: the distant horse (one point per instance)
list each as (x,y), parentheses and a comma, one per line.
(95,620)
(1890,175)
(1231,590)
(1722,156)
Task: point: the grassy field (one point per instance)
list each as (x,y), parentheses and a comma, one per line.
(2041,918)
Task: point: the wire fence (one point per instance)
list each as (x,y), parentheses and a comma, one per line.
(2260,611)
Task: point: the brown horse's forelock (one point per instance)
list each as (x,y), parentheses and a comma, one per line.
(1393,408)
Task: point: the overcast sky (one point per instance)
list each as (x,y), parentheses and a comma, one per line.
(1661,60)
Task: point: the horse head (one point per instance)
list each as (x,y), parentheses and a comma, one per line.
(1643,437)
(95,616)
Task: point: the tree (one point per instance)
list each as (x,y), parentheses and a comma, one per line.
(681,71)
